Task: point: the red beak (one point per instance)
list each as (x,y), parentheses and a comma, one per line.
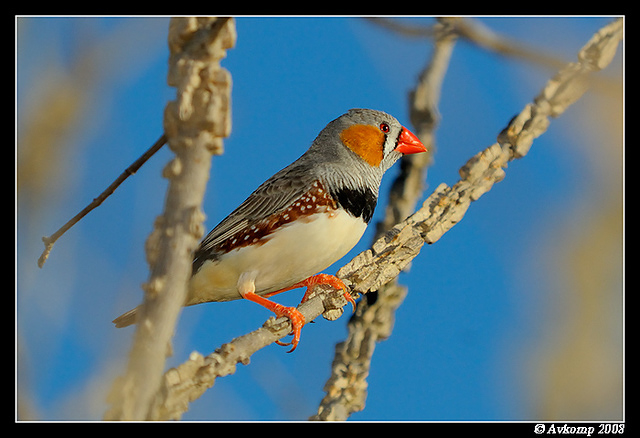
(408,143)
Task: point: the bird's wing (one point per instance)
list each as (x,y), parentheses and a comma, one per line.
(272,197)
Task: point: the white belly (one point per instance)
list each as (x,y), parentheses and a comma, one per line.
(289,255)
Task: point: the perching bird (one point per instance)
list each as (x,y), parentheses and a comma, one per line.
(301,220)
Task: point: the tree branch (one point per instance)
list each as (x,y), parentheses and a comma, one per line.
(474,32)
(194,125)
(379,265)
(132,169)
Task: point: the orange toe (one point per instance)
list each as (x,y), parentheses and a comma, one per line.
(332,281)
(297,322)
(297,319)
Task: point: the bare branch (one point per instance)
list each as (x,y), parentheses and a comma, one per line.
(132,169)
(194,125)
(475,33)
(185,383)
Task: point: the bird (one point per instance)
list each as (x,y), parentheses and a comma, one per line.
(301,220)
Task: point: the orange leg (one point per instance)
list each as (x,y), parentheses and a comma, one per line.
(331,280)
(297,319)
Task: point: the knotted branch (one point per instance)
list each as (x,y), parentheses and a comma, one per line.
(194,125)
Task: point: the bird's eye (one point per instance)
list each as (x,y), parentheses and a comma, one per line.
(384,127)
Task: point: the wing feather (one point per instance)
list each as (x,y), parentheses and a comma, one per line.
(271,197)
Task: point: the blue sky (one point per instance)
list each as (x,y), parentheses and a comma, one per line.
(483,301)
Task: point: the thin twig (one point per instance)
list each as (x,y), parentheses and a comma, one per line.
(475,33)
(132,169)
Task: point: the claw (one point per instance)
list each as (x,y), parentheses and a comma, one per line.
(297,319)
(332,281)
(297,322)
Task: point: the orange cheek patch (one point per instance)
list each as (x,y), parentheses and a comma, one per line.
(366,141)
